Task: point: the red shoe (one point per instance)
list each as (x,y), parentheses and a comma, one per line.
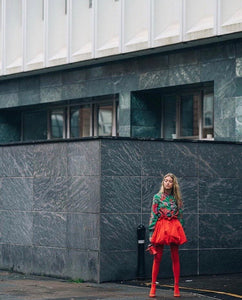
(152,290)
(176,290)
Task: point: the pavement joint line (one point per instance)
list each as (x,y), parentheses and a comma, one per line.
(202,290)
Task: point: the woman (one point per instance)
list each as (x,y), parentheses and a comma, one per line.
(165,228)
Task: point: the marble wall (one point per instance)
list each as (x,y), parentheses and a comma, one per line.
(49,209)
(219,63)
(210,178)
(72,209)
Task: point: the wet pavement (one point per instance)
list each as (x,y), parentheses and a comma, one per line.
(15,286)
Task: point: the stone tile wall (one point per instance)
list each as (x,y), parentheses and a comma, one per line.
(210,177)
(72,209)
(220,63)
(49,209)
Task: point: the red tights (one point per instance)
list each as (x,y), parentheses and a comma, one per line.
(175,263)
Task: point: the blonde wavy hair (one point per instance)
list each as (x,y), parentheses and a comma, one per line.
(175,189)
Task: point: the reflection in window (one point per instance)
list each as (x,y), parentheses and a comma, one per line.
(81,118)
(80,121)
(207,115)
(105,116)
(189,116)
(57,123)
(169,113)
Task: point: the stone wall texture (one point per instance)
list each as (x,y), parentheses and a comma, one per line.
(218,63)
(71,209)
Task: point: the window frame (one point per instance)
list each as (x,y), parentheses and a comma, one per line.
(93,103)
(49,127)
(200,92)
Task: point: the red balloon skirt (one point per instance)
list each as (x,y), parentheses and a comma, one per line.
(168,232)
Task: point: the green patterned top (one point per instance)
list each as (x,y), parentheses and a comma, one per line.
(164,206)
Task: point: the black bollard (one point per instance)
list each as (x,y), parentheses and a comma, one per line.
(141,252)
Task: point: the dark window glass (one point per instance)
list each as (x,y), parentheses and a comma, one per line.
(189,116)
(57,123)
(169,113)
(80,121)
(207,130)
(105,116)
(34,125)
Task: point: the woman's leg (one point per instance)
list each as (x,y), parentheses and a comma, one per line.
(176,268)
(156,263)
(155,269)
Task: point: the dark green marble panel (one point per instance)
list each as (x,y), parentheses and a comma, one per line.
(74,91)
(238,87)
(186,74)
(16,227)
(82,264)
(213,192)
(160,158)
(220,261)
(50,160)
(118,265)
(120,158)
(238,48)
(154,79)
(220,230)
(16,193)
(74,76)
(49,261)
(9,100)
(7,86)
(120,194)
(16,257)
(51,79)
(83,194)
(83,158)
(119,231)
(219,160)
(29,83)
(83,232)
(184,57)
(50,193)
(29,97)
(49,229)
(17,161)
(218,51)
(159,62)
(124,117)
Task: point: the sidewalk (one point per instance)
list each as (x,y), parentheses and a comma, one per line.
(25,287)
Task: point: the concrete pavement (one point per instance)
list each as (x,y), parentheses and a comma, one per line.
(15,286)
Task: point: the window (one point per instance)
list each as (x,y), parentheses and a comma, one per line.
(188,115)
(184,112)
(169,116)
(207,130)
(96,117)
(80,121)
(34,125)
(57,124)
(106,119)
